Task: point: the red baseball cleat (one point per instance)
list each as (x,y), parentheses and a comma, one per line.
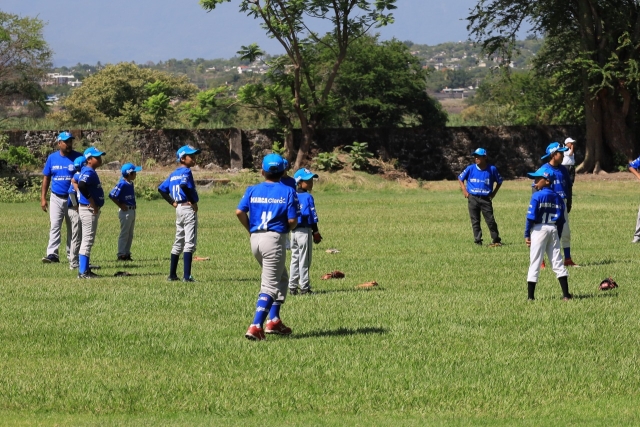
(254,333)
(569,263)
(277,327)
(542,265)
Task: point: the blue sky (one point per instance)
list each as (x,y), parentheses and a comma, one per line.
(88,31)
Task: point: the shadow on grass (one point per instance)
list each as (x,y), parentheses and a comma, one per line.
(604,262)
(340,332)
(596,295)
(332,291)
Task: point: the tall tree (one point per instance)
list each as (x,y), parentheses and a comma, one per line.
(289,22)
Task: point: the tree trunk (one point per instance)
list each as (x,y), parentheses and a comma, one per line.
(618,134)
(593,119)
(305,146)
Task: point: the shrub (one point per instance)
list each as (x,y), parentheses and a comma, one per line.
(13,190)
(327,161)
(358,155)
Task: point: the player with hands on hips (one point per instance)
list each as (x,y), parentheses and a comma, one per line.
(303,234)
(480,192)
(543,228)
(179,190)
(57,173)
(123,195)
(91,200)
(268,211)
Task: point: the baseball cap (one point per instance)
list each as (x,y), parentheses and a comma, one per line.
(569,140)
(93,152)
(480,152)
(553,148)
(286,163)
(127,168)
(304,174)
(186,150)
(539,174)
(273,163)
(64,136)
(79,162)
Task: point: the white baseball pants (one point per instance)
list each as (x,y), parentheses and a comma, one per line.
(566,231)
(544,238)
(186,230)
(58,212)
(76,236)
(127,224)
(301,241)
(89,223)
(268,248)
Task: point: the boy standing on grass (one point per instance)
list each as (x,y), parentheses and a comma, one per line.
(91,200)
(74,214)
(543,228)
(302,235)
(480,193)
(123,195)
(268,211)
(179,190)
(289,182)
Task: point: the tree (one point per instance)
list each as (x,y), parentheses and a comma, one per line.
(25,58)
(591,45)
(285,21)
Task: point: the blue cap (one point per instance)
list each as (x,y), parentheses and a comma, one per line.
(79,162)
(127,168)
(480,152)
(553,148)
(304,174)
(286,163)
(64,136)
(539,174)
(186,150)
(273,163)
(93,152)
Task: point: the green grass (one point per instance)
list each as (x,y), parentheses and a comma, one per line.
(447,339)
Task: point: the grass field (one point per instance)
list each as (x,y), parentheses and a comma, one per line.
(447,339)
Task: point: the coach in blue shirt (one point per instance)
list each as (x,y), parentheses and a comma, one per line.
(479,191)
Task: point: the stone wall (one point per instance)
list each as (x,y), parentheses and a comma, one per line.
(425,154)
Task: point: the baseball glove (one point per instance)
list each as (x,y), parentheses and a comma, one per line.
(333,275)
(608,284)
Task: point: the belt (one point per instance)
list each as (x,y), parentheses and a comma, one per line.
(60,196)
(481,197)
(131,208)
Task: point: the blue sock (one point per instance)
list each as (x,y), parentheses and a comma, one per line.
(187,257)
(567,253)
(262,309)
(174,265)
(274,313)
(83,264)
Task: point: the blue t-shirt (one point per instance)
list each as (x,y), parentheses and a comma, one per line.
(73,195)
(635,164)
(172,185)
(561,183)
(60,168)
(270,206)
(308,213)
(480,182)
(546,207)
(92,181)
(124,192)
(288,181)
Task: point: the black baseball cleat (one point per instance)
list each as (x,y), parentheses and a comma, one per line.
(293,291)
(124,258)
(306,292)
(172,278)
(188,279)
(94,267)
(50,259)
(88,275)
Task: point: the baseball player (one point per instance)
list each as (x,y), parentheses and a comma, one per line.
(543,228)
(562,185)
(480,193)
(74,214)
(303,234)
(268,211)
(634,167)
(179,190)
(57,172)
(91,200)
(569,160)
(290,182)
(123,195)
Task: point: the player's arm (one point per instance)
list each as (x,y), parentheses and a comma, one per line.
(191,196)
(243,218)
(84,190)
(165,195)
(463,188)
(46,181)
(631,169)
(495,191)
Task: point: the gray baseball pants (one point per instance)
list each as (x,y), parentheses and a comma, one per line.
(89,223)
(58,212)
(566,230)
(127,224)
(268,247)
(301,240)
(76,237)
(186,230)
(636,236)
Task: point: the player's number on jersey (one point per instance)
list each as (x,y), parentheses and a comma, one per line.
(175,192)
(264,220)
(548,218)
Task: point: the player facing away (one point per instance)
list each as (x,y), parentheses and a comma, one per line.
(268,211)
(57,173)
(634,167)
(74,214)
(543,228)
(290,182)
(480,192)
(561,183)
(179,190)
(91,200)
(123,195)
(305,232)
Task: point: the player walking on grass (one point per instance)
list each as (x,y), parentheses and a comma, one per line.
(305,232)
(268,211)
(480,193)
(543,228)
(58,171)
(179,190)
(91,200)
(74,213)
(123,195)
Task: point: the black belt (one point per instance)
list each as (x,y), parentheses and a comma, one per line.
(131,208)
(481,197)
(60,196)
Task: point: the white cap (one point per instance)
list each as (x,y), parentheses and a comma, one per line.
(569,140)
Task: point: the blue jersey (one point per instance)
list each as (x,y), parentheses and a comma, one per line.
(480,182)
(635,164)
(270,206)
(124,192)
(288,181)
(174,183)
(561,182)
(92,181)
(60,168)
(308,213)
(73,194)
(546,207)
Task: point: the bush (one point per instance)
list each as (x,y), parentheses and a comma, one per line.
(359,155)
(13,190)
(19,157)
(327,161)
